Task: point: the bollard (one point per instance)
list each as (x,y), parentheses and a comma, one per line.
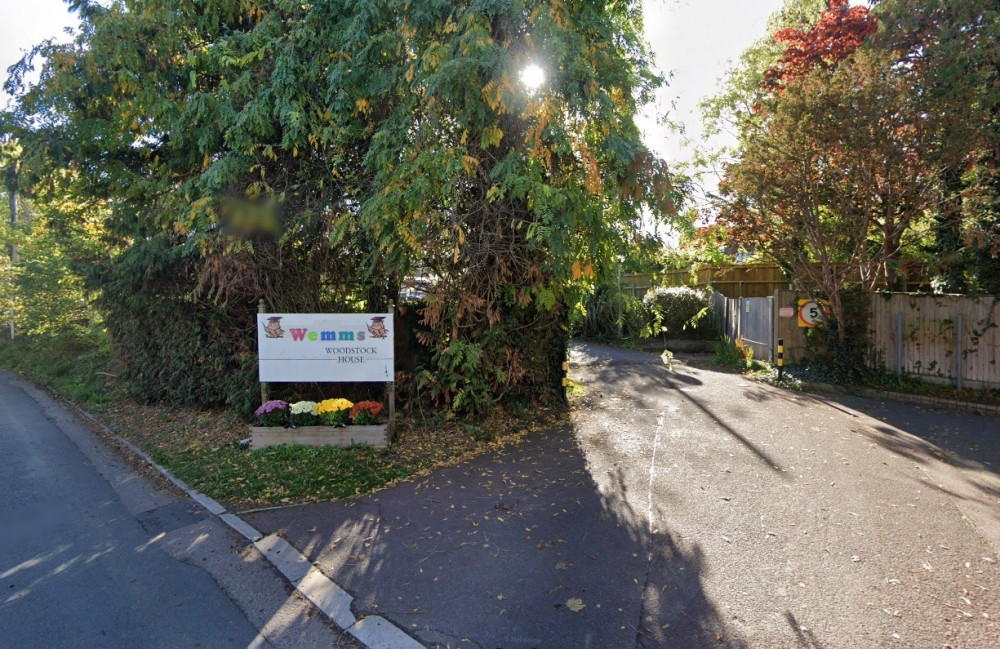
(781,357)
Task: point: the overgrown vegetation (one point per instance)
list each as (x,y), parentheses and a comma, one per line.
(314,155)
(676,313)
(680,312)
(79,369)
(608,314)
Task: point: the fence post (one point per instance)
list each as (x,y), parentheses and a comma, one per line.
(958,352)
(739,315)
(899,343)
(262,308)
(391,385)
(775,315)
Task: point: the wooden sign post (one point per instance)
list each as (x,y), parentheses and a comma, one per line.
(326,348)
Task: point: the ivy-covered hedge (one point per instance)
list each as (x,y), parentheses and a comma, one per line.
(171,347)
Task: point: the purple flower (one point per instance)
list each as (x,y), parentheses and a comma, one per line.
(271,406)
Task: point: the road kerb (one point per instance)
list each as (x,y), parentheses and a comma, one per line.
(248,531)
(289,561)
(206,502)
(378,633)
(328,597)
(373,632)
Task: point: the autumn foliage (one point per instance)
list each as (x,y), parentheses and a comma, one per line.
(840,31)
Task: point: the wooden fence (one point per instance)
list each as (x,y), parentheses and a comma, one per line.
(762,280)
(939,337)
(636,284)
(750,280)
(943,338)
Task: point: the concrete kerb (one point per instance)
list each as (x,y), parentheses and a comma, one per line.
(902,397)
(374,632)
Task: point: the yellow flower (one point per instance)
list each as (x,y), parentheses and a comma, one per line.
(333,405)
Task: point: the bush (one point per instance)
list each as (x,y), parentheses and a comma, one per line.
(516,359)
(849,360)
(680,312)
(599,317)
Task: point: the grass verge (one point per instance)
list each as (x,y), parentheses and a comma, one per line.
(78,369)
(201,446)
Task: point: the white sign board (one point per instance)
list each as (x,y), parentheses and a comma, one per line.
(325,347)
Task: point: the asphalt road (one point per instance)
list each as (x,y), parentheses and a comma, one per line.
(93,555)
(683,507)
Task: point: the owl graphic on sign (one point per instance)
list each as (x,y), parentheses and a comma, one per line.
(273,327)
(377,327)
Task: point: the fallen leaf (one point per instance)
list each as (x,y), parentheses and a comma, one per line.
(575,604)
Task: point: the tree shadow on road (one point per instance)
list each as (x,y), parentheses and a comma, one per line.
(967,441)
(526,548)
(645,387)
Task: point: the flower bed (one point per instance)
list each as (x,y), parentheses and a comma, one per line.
(332,422)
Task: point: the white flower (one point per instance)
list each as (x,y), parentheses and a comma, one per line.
(303,408)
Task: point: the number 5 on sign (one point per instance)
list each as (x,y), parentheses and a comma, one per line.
(812,313)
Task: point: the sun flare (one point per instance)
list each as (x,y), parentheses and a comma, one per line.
(533,77)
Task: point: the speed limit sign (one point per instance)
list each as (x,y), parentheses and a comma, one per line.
(812,313)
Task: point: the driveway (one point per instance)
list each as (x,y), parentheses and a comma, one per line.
(683,507)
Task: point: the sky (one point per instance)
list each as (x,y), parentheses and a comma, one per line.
(695,41)
(692,39)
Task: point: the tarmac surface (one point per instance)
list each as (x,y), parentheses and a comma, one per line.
(94,555)
(686,507)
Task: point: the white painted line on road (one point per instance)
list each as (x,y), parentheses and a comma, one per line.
(377,633)
(250,532)
(328,597)
(652,474)
(289,561)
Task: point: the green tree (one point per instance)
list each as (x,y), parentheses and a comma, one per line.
(313,154)
(742,87)
(831,197)
(951,49)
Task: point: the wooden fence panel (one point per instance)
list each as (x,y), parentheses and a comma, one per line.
(942,337)
(750,280)
(635,284)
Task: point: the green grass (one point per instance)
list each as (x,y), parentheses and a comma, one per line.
(283,474)
(78,369)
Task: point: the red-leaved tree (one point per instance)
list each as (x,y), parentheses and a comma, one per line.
(840,31)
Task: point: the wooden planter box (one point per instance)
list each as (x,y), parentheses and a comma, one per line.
(377,436)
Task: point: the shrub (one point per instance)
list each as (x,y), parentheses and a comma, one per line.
(599,316)
(680,311)
(733,353)
(473,368)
